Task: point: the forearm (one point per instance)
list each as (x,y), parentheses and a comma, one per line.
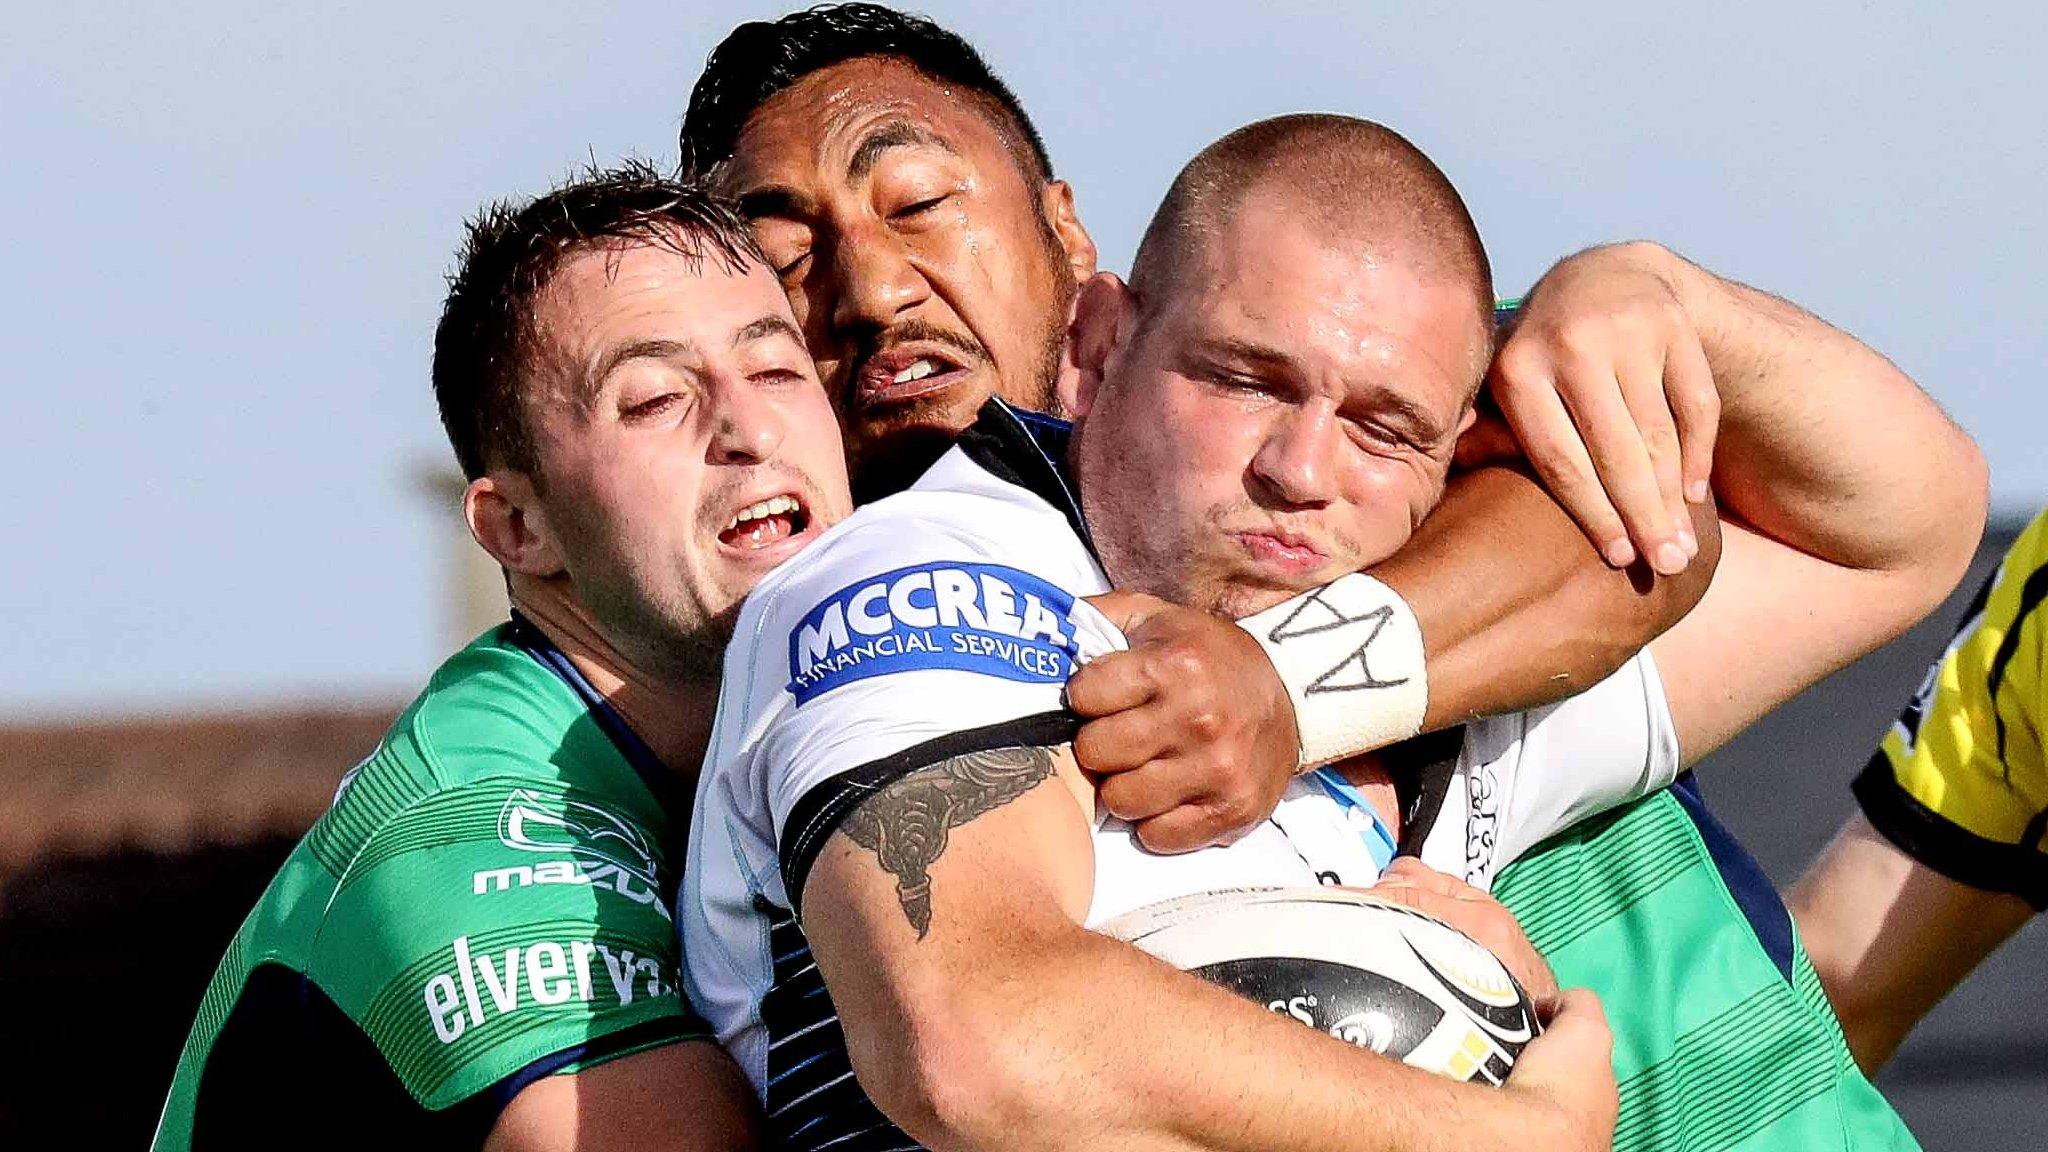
(1036,1054)
(1825,445)
(1516,608)
(991,1019)
(1890,937)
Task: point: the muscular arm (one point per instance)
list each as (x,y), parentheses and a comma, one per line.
(1890,937)
(685,1097)
(1851,506)
(945,916)
(1517,609)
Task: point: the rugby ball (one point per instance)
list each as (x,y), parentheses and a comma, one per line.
(1375,974)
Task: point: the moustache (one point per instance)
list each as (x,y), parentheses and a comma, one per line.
(908,332)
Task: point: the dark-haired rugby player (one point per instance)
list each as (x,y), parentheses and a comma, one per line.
(473,947)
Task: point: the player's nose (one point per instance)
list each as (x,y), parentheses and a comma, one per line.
(874,281)
(1296,463)
(748,426)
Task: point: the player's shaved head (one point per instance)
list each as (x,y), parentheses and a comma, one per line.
(1274,398)
(1356,182)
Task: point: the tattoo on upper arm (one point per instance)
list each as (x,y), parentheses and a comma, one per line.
(907,823)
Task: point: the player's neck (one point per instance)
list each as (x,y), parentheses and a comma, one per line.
(674,716)
(1371,778)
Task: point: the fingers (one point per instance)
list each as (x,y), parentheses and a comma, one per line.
(1408,872)
(1191,827)
(1579,1022)
(1141,792)
(1551,442)
(1127,610)
(1109,684)
(1643,390)
(1595,397)
(1696,410)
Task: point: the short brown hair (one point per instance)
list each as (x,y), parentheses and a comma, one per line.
(511,252)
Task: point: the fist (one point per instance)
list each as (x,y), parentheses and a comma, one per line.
(1410,882)
(1189,732)
(1568,1075)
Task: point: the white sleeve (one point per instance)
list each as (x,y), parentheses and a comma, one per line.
(893,649)
(1608,745)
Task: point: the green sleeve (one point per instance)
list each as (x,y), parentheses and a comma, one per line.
(500,925)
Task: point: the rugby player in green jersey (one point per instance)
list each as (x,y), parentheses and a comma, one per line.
(1721,1029)
(474,947)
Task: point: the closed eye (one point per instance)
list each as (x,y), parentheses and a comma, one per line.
(916,207)
(653,406)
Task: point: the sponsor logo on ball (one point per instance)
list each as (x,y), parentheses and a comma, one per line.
(1371,1029)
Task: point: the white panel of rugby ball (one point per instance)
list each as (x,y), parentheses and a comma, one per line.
(1379,975)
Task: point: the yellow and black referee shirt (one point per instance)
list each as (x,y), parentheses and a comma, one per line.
(1960,782)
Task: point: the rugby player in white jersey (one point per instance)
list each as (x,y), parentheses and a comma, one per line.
(932,258)
(1271,403)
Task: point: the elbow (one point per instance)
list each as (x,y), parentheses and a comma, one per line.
(1930,562)
(1662,601)
(968,1075)
(1969,506)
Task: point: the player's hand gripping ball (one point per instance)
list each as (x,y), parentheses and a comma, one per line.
(1365,970)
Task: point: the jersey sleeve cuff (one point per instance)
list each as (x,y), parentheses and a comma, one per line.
(1945,846)
(641,1037)
(819,812)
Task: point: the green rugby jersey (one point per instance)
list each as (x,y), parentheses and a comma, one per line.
(486,903)
(1722,1036)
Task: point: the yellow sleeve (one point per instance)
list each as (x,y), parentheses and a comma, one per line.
(1959,782)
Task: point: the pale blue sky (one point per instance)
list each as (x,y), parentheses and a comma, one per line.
(226,226)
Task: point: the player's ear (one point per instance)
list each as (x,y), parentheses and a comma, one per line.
(1105,315)
(504,514)
(1056,200)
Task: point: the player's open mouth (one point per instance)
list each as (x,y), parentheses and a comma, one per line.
(765,523)
(904,373)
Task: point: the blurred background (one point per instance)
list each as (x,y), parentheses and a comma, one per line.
(237,548)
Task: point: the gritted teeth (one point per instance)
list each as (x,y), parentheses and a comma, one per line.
(760,509)
(918,370)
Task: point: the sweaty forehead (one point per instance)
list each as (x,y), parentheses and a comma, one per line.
(818,127)
(1351,304)
(603,298)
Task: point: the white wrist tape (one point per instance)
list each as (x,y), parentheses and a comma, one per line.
(1350,654)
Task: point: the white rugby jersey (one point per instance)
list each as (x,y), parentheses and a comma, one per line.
(945,620)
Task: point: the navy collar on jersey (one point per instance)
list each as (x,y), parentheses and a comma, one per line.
(1028,449)
(659,780)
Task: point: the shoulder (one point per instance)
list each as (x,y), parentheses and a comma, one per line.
(962,547)
(958,511)
(490,889)
(490,716)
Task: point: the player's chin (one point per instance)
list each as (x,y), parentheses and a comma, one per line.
(1235,601)
(1250,593)
(888,450)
